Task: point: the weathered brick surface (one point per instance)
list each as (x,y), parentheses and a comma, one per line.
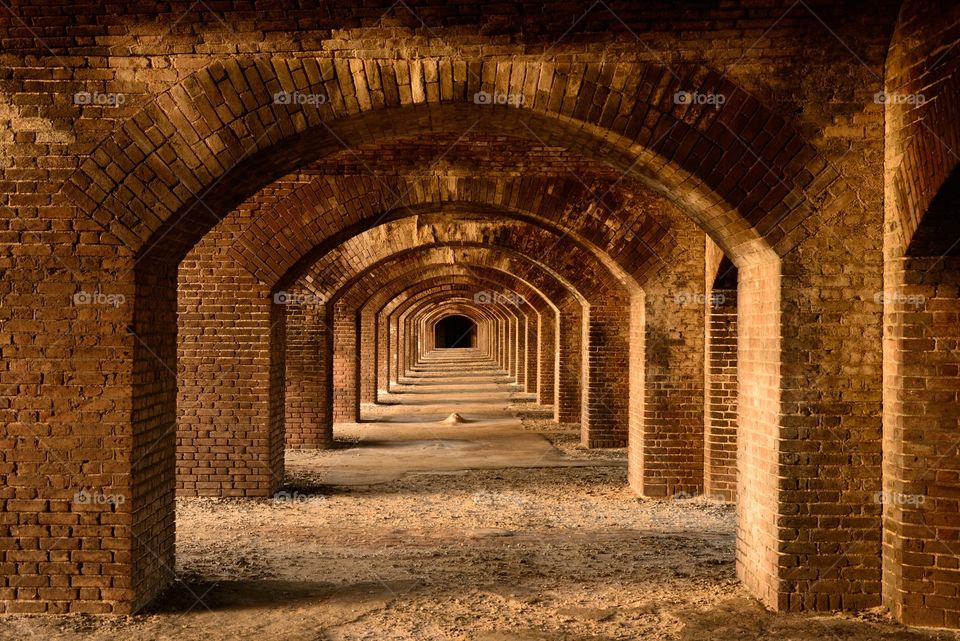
(371,294)
(229,406)
(667,443)
(786,176)
(720,403)
(921,306)
(308,396)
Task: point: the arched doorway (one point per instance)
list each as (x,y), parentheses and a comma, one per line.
(455,331)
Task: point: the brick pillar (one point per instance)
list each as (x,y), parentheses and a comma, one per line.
(521,368)
(605,364)
(230,407)
(87,496)
(635,444)
(380,321)
(568,368)
(921,474)
(511,364)
(346,364)
(368,358)
(720,412)
(504,347)
(153,474)
(395,347)
(758,417)
(828,446)
(309,370)
(532,351)
(670,445)
(546,365)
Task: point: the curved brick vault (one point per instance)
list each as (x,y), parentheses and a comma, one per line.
(638,128)
(369,301)
(282,265)
(921,301)
(397,238)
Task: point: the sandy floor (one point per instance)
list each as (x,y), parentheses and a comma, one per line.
(487,530)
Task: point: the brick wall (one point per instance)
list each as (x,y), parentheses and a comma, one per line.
(720,404)
(308,405)
(229,400)
(921,574)
(669,447)
(758,433)
(783,174)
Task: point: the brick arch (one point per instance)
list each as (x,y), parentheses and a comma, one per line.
(922,133)
(432,309)
(429,314)
(311,406)
(353,335)
(921,413)
(369,295)
(376,311)
(324,211)
(496,281)
(516,319)
(429,318)
(570,301)
(606,319)
(280,244)
(605,398)
(333,274)
(711,161)
(372,291)
(691,155)
(421,304)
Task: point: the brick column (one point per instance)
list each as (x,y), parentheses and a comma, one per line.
(309,370)
(758,416)
(511,345)
(383,351)
(921,527)
(605,364)
(368,358)
(346,365)
(547,364)
(521,369)
(532,351)
(670,444)
(230,393)
(568,369)
(720,412)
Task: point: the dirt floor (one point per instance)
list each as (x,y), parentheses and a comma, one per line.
(483,528)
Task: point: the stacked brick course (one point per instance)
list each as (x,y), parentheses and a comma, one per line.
(200,196)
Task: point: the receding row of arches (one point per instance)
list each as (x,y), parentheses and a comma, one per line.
(663,274)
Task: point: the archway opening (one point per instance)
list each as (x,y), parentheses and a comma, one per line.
(455,331)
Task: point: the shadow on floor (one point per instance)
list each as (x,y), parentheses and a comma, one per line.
(197,595)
